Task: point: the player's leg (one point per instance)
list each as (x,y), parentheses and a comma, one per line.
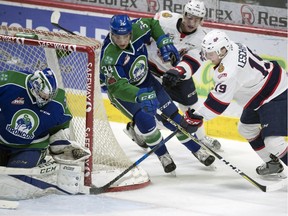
(130,131)
(168,108)
(265,134)
(184,93)
(146,128)
(274,130)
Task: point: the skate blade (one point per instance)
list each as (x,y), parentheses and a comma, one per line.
(173,173)
(212,167)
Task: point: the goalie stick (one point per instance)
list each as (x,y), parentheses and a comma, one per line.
(263,188)
(95,190)
(55,21)
(43,169)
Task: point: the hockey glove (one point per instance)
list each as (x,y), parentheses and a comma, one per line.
(172,77)
(168,50)
(148,100)
(191,122)
(70,153)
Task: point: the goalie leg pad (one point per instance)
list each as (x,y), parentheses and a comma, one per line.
(14,189)
(70,178)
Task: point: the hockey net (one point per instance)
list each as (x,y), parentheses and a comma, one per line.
(74,59)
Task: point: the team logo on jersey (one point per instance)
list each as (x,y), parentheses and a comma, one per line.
(18,101)
(166,15)
(221,68)
(138,69)
(23,124)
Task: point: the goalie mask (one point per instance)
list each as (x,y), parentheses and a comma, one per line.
(215,41)
(43,86)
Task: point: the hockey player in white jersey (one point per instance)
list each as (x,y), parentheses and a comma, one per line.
(34,118)
(257,85)
(187,34)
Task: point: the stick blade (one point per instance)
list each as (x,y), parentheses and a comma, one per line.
(96,190)
(55,17)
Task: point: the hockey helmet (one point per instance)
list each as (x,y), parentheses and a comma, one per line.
(120,25)
(195,8)
(43,85)
(215,40)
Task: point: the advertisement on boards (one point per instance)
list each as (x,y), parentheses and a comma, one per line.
(253,13)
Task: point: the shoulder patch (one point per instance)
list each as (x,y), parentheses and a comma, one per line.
(108,60)
(166,15)
(221,68)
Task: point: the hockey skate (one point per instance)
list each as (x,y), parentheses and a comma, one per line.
(129,131)
(272,167)
(212,143)
(167,163)
(204,157)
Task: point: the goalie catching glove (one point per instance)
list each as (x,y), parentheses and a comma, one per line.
(191,122)
(168,50)
(66,151)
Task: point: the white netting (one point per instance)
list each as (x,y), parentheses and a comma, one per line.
(77,72)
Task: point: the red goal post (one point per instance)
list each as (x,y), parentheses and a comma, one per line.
(75,60)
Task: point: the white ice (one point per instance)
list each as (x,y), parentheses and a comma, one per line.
(195,191)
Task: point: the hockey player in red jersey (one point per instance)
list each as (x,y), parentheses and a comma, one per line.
(257,85)
(187,34)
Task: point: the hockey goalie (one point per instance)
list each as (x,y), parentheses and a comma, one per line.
(34,127)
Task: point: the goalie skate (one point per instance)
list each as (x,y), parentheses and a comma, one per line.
(204,157)
(129,131)
(167,163)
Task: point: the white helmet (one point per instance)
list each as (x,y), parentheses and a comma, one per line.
(195,8)
(215,40)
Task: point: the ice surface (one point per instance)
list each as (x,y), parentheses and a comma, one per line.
(195,191)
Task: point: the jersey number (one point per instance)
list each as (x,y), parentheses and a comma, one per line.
(220,88)
(257,66)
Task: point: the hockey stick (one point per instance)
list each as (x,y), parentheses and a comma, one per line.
(42,169)
(55,21)
(263,188)
(7,204)
(98,190)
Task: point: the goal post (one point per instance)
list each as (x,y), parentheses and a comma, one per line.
(75,60)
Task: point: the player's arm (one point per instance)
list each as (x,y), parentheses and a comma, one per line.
(164,42)
(117,84)
(219,98)
(184,70)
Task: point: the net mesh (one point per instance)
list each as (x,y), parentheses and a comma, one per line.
(70,67)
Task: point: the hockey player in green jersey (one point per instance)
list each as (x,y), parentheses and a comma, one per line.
(34,117)
(135,92)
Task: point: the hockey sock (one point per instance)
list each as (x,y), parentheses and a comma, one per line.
(190,144)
